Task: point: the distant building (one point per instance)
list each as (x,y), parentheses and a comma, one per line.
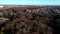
(1,6)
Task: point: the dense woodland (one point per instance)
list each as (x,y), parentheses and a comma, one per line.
(31,21)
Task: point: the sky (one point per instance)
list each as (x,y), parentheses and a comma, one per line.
(29,2)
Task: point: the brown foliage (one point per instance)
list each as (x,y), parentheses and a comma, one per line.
(30,23)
